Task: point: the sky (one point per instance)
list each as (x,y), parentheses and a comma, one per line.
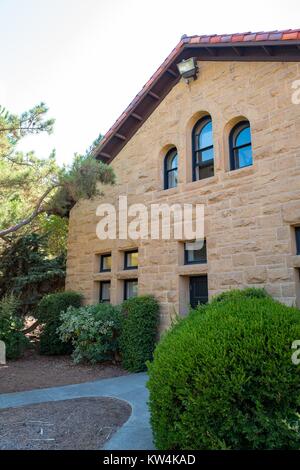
(87,59)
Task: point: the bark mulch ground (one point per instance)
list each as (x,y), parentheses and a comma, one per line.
(75,424)
(35,371)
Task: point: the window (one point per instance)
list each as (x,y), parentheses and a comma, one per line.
(171,169)
(297,231)
(203,149)
(195,252)
(131,259)
(198,290)
(105,262)
(104,291)
(240,146)
(130,288)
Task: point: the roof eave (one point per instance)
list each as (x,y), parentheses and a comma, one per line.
(167,76)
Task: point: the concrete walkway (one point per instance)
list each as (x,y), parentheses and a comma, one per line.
(133,435)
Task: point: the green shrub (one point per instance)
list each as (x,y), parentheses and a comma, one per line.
(93,331)
(139,330)
(11,327)
(223,378)
(48,313)
(235,294)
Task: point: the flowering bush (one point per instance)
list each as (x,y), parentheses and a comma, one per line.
(93,331)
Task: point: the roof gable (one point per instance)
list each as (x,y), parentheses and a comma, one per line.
(283,46)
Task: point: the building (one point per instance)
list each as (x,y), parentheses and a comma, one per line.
(229,140)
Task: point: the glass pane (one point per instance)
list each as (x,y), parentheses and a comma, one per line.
(205,172)
(132,259)
(207,155)
(172,179)
(172,160)
(205,136)
(131,289)
(298,240)
(105,291)
(198,290)
(106,262)
(244,156)
(195,255)
(243,137)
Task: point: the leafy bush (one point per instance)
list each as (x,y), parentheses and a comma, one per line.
(235,294)
(93,331)
(11,328)
(223,377)
(48,312)
(139,329)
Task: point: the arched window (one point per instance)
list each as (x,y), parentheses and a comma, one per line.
(203,149)
(240,146)
(171,168)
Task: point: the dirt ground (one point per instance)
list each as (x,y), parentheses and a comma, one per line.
(35,371)
(76,424)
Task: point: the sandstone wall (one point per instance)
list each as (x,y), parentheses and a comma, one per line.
(249,213)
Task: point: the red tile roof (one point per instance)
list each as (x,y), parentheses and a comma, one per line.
(261,38)
(285,35)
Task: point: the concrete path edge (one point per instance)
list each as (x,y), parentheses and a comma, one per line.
(135,434)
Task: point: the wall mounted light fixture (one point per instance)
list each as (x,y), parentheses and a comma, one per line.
(188,69)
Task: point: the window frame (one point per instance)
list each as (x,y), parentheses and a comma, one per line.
(232,148)
(172,170)
(187,262)
(297,236)
(101,300)
(202,123)
(126,253)
(102,256)
(126,282)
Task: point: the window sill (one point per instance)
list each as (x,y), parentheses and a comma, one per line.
(201,183)
(167,192)
(127,274)
(103,276)
(191,269)
(246,171)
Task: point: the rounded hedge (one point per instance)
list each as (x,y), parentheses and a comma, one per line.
(223,377)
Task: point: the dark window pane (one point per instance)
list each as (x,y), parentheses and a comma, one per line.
(205,172)
(245,156)
(203,151)
(240,146)
(198,290)
(298,240)
(243,137)
(131,259)
(131,289)
(105,291)
(105,264)
(171,162)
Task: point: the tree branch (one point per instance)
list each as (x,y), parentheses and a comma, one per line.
(38,210)
(21,128)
